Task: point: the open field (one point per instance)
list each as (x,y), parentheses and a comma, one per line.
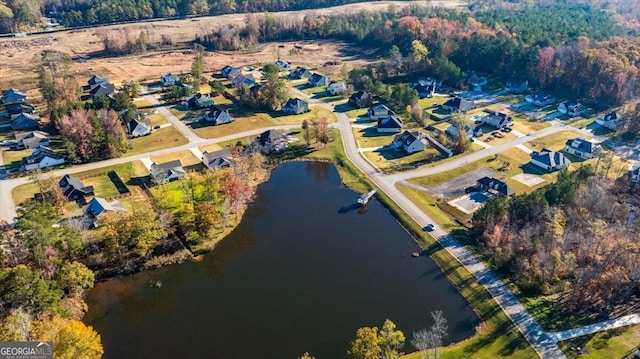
(369,137)
(158,139)
(257,120)
(391,159)
(186,157)
(10,156)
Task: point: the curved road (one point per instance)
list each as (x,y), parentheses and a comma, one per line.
(542,341)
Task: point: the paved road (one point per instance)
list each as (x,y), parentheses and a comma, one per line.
(597,327)
(177,124)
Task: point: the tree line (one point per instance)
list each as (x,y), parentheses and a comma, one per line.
(588,55)
(576,237)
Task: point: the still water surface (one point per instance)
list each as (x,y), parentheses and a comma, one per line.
(302,272)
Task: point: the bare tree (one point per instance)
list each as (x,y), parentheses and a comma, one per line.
(430,340)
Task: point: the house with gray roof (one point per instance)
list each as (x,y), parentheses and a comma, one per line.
(613,121)
(216,160)
(572,108)
(103,89)
(217,116)
(41,157)
(389,124)
(409,142)
(243,80)
(96,80)
(283,65)
(582,148)
(299,73)
(458,104)
(540,99)
(361,99)
(169,79)
(167,172)
(497,120)
(318,80)
(379,111)
(494,186)
(18,108)
(74,190)
(198,101)
(271,141)
(337,88)
(295,106)
(99,206)
(32,139)
(549,160)
(425,87)
(139,127)
(25,121)
(230,72)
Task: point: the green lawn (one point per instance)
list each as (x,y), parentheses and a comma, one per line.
(156,119)
(390,159)
(126,171)
(159,139)
(369,137)
(616,343)
(525,125)
(102,186)
(429,102)
(259,120)
(186,157)
(10,156)
(315,90)
(355,113)
(555,141)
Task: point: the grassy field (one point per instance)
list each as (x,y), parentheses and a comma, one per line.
(369,137)
(616,343)
(259,120)
(186,157)
(392,159)
(213,147)
(555,141)
(355,113)
(159,139)
(10,156)
(156,119)
(102,186)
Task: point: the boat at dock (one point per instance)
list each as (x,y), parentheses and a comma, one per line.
(364,199)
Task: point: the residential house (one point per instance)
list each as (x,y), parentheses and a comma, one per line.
(318,80)
(361,99)
(139,127)
(379,111)
(271,141)
(96,80)
(540,99)
(549,160)
(458,104)
(25,121)
(582,148)
(497,120)
(42,157)
(167,172)
(300,73)
(74,190)
(572,108)
(295,106)
(517,85)
(230,72)
(635,174)
(217,159)
(283,65)
(103,89)
(470,131)
(389,124)
(198,101)
(99,206)
(243,80)
(18,108)
(32,139)
(256,89)
(425,87)
(13,96)
(217,116)
(409,142)
(337,88)
(612,121)
(494,186)
(169,79)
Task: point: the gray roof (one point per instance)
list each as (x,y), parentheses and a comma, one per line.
(13,95)
(39,153)
(98,206)
(407,138)
(271,136)
(390,122)
(550,158)
(295,103)
(581,145)
(102,89)
(133,124)
(217,159)
(496,185)
(460,104)
(31,137)
(96,80)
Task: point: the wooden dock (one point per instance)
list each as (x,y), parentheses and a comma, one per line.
(364,199)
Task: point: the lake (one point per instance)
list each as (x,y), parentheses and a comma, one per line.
(302,272)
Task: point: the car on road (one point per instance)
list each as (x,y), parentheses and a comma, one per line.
(429,227)
(507,129)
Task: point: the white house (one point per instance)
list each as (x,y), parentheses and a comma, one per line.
(380,111)
(41,157)
(582,148)
(169,79)
(337,88)
(139,127)
(389,124)
(409,142)
(469,131)
(612,121)
(572,108)
(217,116)
(497,120)
(32,139)
(217,159)
(540,99)
(549,160)
(167,171)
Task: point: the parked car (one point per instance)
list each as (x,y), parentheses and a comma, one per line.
(507,129)
(429,227)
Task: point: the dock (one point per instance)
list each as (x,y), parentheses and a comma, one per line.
(364,199)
